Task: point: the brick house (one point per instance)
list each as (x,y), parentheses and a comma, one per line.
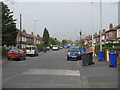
(118,33)
(88,40)
(111,35)
(103,36)
(98,38)
(27,39)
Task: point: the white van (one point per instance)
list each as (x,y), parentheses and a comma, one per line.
(55,47)
(31,50)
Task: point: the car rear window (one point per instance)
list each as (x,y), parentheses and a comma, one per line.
(30,48)
(14,51)
(55,46)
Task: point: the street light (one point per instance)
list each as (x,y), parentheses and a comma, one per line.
(100,25)
(80,36)
(93,32)
(34,29)
(20,31)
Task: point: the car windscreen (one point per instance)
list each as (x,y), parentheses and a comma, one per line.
(73,50)
(14,51)
(30,48)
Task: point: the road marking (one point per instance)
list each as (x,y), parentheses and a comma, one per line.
(52,72)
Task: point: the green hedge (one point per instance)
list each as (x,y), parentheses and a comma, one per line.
(106,46)
(40,47)
(3,51)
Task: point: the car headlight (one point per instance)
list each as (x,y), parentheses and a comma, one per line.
(79,52)
(68,53)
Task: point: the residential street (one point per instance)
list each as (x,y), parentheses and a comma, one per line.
(52,70)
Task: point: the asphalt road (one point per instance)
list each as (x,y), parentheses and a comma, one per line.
(52,70)
(48,70)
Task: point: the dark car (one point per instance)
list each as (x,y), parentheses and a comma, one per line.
(16,54)
(74,53)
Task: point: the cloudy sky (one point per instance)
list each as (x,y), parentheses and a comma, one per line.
(64,20)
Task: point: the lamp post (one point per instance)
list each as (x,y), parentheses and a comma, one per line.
(80,36)
(92,29)
(20,31)
(100,25)
(34,29)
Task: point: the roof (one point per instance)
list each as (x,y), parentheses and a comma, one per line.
(111,30)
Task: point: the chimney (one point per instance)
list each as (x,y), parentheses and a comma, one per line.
(103,30)
(32,33)
(110,26)
(38,35)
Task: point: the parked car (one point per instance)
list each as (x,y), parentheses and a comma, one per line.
(16,54)
(31,50)
(60,47)
(48,48)
(55,47)
(74,53)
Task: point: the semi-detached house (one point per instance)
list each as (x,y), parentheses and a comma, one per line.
(23,39)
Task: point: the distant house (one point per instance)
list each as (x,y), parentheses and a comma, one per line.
(23,39)
(103,36)
(118,33)
(98,38)
(95,38)
(111,35)
(88,40)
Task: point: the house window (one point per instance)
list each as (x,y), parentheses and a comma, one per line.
(23,38)
(38,41)
(118,32)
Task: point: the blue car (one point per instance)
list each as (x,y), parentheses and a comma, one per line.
(74,53)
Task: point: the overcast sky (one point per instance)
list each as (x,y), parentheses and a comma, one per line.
(64,20)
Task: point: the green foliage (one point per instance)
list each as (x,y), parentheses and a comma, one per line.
(3,51)
(9,31)
(46,37)
(54,41)
(106,46)
(97,48)
(64,42)
(40,47)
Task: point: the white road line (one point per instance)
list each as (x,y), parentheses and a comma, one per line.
(52,72)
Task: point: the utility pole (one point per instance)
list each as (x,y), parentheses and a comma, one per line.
(20,31)
(34,30)
(100,25)
(92,30)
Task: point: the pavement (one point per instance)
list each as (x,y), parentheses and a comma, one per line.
(99,75)
(52,70)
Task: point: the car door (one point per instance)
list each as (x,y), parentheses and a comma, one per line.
(22,53)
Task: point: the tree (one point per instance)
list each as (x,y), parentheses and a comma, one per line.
(46,37)
(64,42)
(9,30)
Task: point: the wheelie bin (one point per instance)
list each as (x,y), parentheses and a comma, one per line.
(85,59)
(100,55)
(113,61)
(90,58)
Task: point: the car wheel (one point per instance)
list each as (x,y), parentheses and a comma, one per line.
(8,58)
(24,58)
(20,58)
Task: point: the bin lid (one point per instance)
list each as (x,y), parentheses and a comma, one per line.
(112,53)
(100,51)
